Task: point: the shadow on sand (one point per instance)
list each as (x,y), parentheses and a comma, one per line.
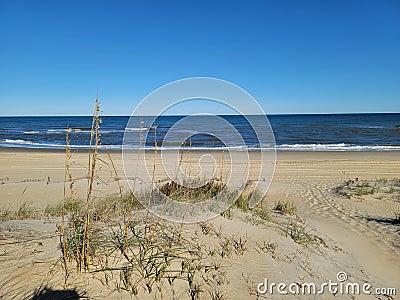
(389,221)
(49,294)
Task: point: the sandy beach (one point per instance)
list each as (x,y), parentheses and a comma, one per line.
(361,236)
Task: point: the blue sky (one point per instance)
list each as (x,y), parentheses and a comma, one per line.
(292,56)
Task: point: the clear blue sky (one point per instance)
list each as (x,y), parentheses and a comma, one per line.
(292,56)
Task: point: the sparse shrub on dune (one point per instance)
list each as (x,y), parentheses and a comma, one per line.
(285,207)
(300,234)
(181,193)
(380,188)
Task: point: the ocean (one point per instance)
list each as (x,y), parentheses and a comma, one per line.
(312,132)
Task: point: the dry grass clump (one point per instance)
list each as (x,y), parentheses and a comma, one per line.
(181,193)
(232,245)
(106,208)
(365,189)
(26,211)
(74,239)
(242,202)
(153,258)
(114,206)
(285,207)
(211,189)
(23,211)
(5,214)
(300,234)
(378,188)
(263,214)
(64,207)
(127,249)
(268,247)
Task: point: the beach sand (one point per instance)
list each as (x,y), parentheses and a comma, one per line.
(361,236)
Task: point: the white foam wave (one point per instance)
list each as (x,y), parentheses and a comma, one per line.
(284,147)
(136,128)
(335,147)
(28,144)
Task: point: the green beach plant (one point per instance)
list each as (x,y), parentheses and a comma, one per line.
(67,206)
(26,211)
(268,247)
(299,233)
(285,207)
(379,188)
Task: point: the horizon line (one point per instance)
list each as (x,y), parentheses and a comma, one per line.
(222,114)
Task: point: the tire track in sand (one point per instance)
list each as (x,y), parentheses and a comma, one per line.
(321,201)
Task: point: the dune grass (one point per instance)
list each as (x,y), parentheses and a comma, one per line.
(65,207)
(378,188)
(24,211)
(285,207)
(300,234)
(115,239)
(181,193)
(123,246)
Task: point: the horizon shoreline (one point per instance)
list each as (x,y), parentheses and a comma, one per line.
(175,115)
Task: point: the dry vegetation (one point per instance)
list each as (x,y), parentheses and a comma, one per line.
(181,193)
(378,189)
(126,249)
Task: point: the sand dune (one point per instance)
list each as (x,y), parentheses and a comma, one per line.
(359,235)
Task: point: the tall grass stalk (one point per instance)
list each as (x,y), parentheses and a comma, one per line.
(189,174)
(120,189)
(152,177)
(66,175)
(93,153)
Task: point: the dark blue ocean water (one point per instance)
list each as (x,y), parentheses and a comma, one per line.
(334,132)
